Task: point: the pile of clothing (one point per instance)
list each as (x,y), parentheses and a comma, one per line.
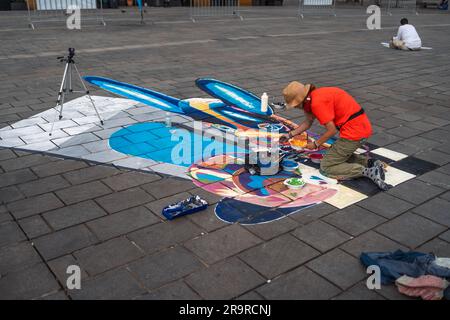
(415,274)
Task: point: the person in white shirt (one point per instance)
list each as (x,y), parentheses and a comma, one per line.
(407,37)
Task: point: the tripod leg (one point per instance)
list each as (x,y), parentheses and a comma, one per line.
(60,96)
(70,78)
(63,96)
(87,93)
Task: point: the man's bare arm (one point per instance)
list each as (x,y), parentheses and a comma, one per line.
(305,125)
(331,131)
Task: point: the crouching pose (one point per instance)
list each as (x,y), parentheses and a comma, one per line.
(338,112)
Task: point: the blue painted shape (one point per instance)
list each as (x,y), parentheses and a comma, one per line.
(142,136)
(232,95)
(140,140)
(234,211)
(149,97)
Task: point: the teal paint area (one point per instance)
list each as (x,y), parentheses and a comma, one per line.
(175,145)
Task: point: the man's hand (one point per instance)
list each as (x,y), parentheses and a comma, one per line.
(284,138)
(311,146)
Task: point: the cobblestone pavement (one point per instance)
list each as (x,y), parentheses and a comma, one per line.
(56,212)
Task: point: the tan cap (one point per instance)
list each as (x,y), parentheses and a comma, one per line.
(294,93)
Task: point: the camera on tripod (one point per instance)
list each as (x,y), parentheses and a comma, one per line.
(69,57)
(66,85)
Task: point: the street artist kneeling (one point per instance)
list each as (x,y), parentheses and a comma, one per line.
(338,112)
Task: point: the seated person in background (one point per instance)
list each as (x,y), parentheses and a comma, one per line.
(443,5)
(407,37)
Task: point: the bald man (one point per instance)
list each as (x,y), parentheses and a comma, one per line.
(338,112)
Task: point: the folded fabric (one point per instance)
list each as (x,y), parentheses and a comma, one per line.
(442,262)
(393,265)
(427,287)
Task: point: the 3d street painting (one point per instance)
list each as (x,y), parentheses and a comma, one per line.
(198,139)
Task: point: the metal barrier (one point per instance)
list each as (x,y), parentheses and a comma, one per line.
(214,8)
(316,7)
(401,6)
(56,10)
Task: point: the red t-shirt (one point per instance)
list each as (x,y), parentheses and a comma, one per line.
(334,104)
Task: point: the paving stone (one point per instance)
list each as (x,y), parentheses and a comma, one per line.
(17,257)
(253,295)
(275,228)
(24,162)
(6,154)
(124,199)
(299,284)
(410,230)
(167,187)
(10,194)
(163,267)
(64,241)
(445,236)
(10,233)
(130,179)
(32,206)
(174,291)
(278,255)
(83,192)
(59,268)
(60,295)
(313,213)
(436,134)
(113,285)
(370,242)
(415,191)
(385,205)
(222,243)
(420,143)
(208,220)
(436,209)
(163,235)
(4,216)
(58,167)
(214,282)
(404,132)
(321,235)
(74,214)
(338,267)
(445,169)
(436,246)
(43,185)
(122,222)
(359,292)
(34,226)
(383,139)
(437,179)
(89,174)
(28,283)
(354,220)
(16,177)
(107,255)
(433,156)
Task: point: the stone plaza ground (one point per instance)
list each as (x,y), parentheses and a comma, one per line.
(56,212)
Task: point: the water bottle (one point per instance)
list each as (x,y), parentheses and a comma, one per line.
(264,102)
(168,120)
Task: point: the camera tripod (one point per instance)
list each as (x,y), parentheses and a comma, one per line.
(66,86)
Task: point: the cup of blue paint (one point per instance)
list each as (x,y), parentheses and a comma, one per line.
(289,165)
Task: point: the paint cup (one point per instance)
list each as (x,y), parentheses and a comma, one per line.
(294,183)
(316,157)
(289,165)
